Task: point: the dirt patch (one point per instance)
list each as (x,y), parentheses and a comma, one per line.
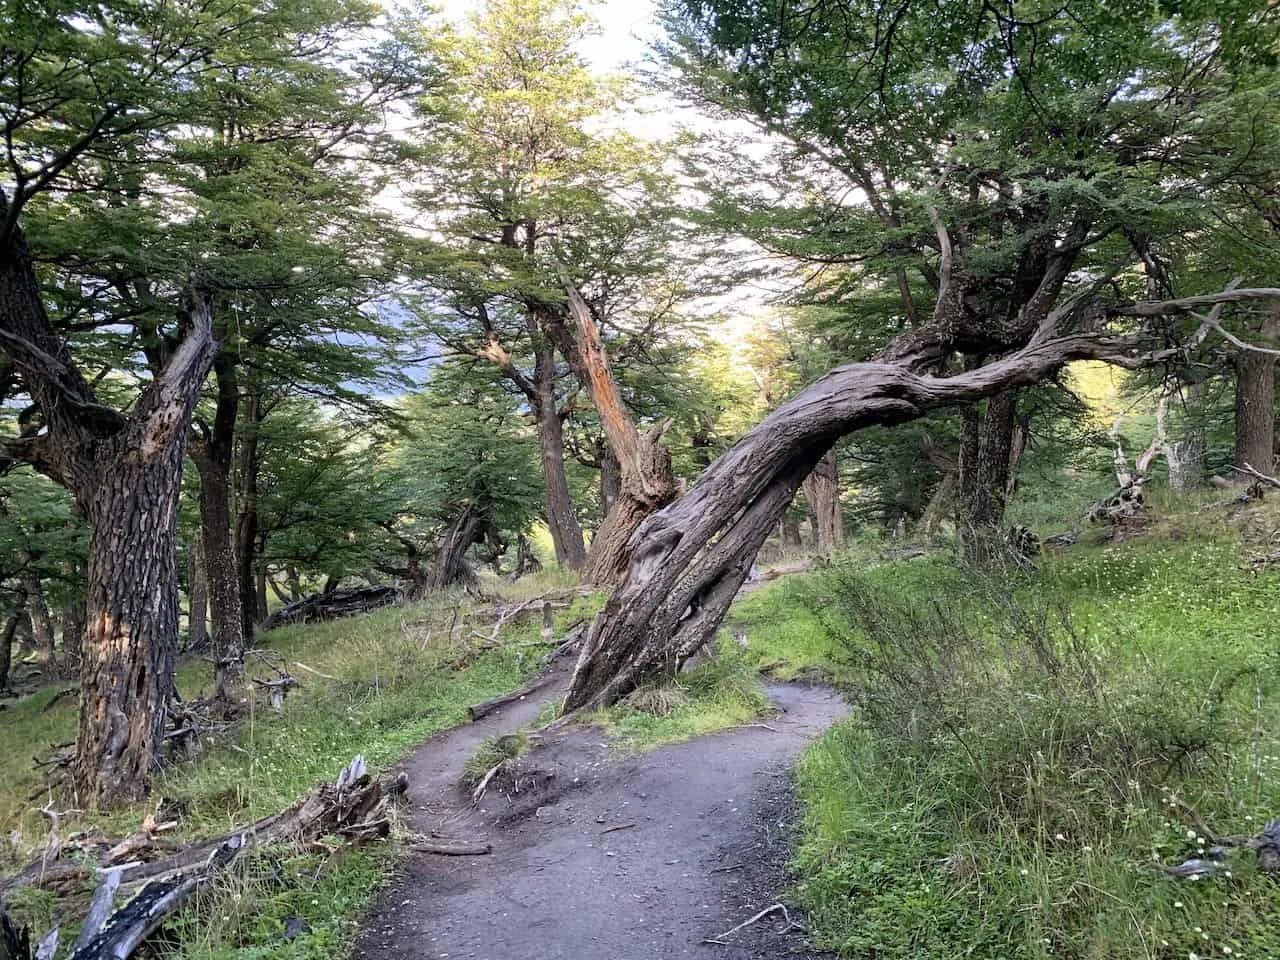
(601,858)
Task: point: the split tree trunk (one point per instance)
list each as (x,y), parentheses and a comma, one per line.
(822,493)
(647,482)
(125,473)
(690,559)
(1256,400)
(610,477)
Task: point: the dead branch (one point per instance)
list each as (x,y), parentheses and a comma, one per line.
(451,848)
(767,911)
(1249,471)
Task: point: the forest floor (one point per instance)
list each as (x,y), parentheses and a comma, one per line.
(641,857)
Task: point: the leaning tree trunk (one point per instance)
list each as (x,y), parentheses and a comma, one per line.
(1256,399)
(647,482)
(822,493)
(451,565)
(689,559)
(610,477)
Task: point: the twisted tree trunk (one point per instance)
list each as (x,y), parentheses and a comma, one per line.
(689,559)
(985,474)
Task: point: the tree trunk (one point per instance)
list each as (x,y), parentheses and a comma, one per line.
(566,532)
(295,584)
(197,597)
(1186,455)
(41,626)
(822,493)
(126,679)
(125,473)
(610,477)
(213,455)
(647,480)
(73,626)
(1256,399)
(988,470)
(6,648)
(246,542)
(940,503)
(451,565)
(689,559)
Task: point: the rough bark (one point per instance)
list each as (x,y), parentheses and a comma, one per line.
(6,648)
(246,541)
(125,474)
(41,626)
(647,482)
(1256,400)
(689,559)
(822,493)
(197,598)
(213,454)
(451,565)
(986,485)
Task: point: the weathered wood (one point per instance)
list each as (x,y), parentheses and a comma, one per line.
(331,606)
(689,559)
(478,711)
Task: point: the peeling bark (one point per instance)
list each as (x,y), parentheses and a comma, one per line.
(646,480)
(689,559)
(125,474)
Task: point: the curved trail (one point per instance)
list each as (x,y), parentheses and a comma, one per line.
(700,844)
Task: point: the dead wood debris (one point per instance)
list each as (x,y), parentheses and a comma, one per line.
(355,808)
(767,911)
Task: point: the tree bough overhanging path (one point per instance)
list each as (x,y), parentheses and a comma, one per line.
(688,560)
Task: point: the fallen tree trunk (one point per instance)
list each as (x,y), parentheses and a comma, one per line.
(331,606)
(688,560)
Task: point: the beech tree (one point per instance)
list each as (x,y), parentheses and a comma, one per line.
(553,233)
(1010,157)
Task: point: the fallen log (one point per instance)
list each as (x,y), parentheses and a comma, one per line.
(482,709)
(452,848)
(331,606)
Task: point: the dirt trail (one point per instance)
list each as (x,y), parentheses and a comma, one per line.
(701,845)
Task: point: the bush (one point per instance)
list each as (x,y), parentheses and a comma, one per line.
(1014,773)
(1035,729)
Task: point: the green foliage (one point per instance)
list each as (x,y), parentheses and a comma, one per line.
(1025,752)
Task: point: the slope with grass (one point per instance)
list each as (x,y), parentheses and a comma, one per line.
(376,685)
(1028,749)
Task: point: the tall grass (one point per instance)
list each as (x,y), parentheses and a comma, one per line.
(1026,755)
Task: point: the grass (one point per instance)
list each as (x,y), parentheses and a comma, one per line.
(992,799)
(400,676)
(721,692)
